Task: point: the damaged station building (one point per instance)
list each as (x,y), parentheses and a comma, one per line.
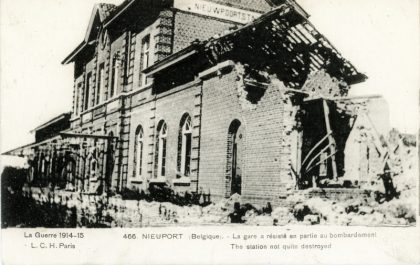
(208,96)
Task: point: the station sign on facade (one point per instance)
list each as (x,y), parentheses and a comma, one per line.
(217,10)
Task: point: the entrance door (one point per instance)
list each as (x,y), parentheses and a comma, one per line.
(109,163)
(237,159)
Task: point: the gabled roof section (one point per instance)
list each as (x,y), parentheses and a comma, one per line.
(106,10)
(100,13)
(119,11)
(107,15)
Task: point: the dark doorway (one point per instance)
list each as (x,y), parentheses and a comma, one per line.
(235,158)
(109,169)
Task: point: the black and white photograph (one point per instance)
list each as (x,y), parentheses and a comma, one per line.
(186,113)
(211,112)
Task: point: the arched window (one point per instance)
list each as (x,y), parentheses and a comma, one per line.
(234,158)
(161,149)
(184,146)
(138,152)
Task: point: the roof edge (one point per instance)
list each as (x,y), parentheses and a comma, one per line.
(54,119)
(74,53)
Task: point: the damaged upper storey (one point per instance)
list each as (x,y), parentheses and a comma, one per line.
(281,42)
(131,14)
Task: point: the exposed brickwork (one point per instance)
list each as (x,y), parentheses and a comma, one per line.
(164,34)
(266,169)
(189,27)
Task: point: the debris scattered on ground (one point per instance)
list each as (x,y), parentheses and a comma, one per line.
(99,211)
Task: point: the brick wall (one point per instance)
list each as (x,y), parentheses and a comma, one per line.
(189,27)
(266,159)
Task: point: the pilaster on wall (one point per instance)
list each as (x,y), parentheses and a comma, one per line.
(164,35)
(195,152)
(93,84)
(115,174)
(82,94)
(123,65)
(74,103)
(151,141)
(107,67)
(124,146)
(131,61)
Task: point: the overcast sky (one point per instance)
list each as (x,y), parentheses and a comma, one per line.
(380,37)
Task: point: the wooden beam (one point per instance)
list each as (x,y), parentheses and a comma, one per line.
(315,147)
(85,135)
(317,155)
(321,161)
(330,139)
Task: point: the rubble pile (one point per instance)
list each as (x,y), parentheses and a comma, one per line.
(81,210)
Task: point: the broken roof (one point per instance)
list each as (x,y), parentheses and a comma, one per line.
(282,41)
(109,13)
(100,13)
(285,41)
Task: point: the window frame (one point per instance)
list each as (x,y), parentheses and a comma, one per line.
(100,86)
(145,57)
(138,152)
(77,96)
(186,136)
(162,150)
(86,96)
(115,72)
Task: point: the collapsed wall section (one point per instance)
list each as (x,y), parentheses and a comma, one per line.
(264,156)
